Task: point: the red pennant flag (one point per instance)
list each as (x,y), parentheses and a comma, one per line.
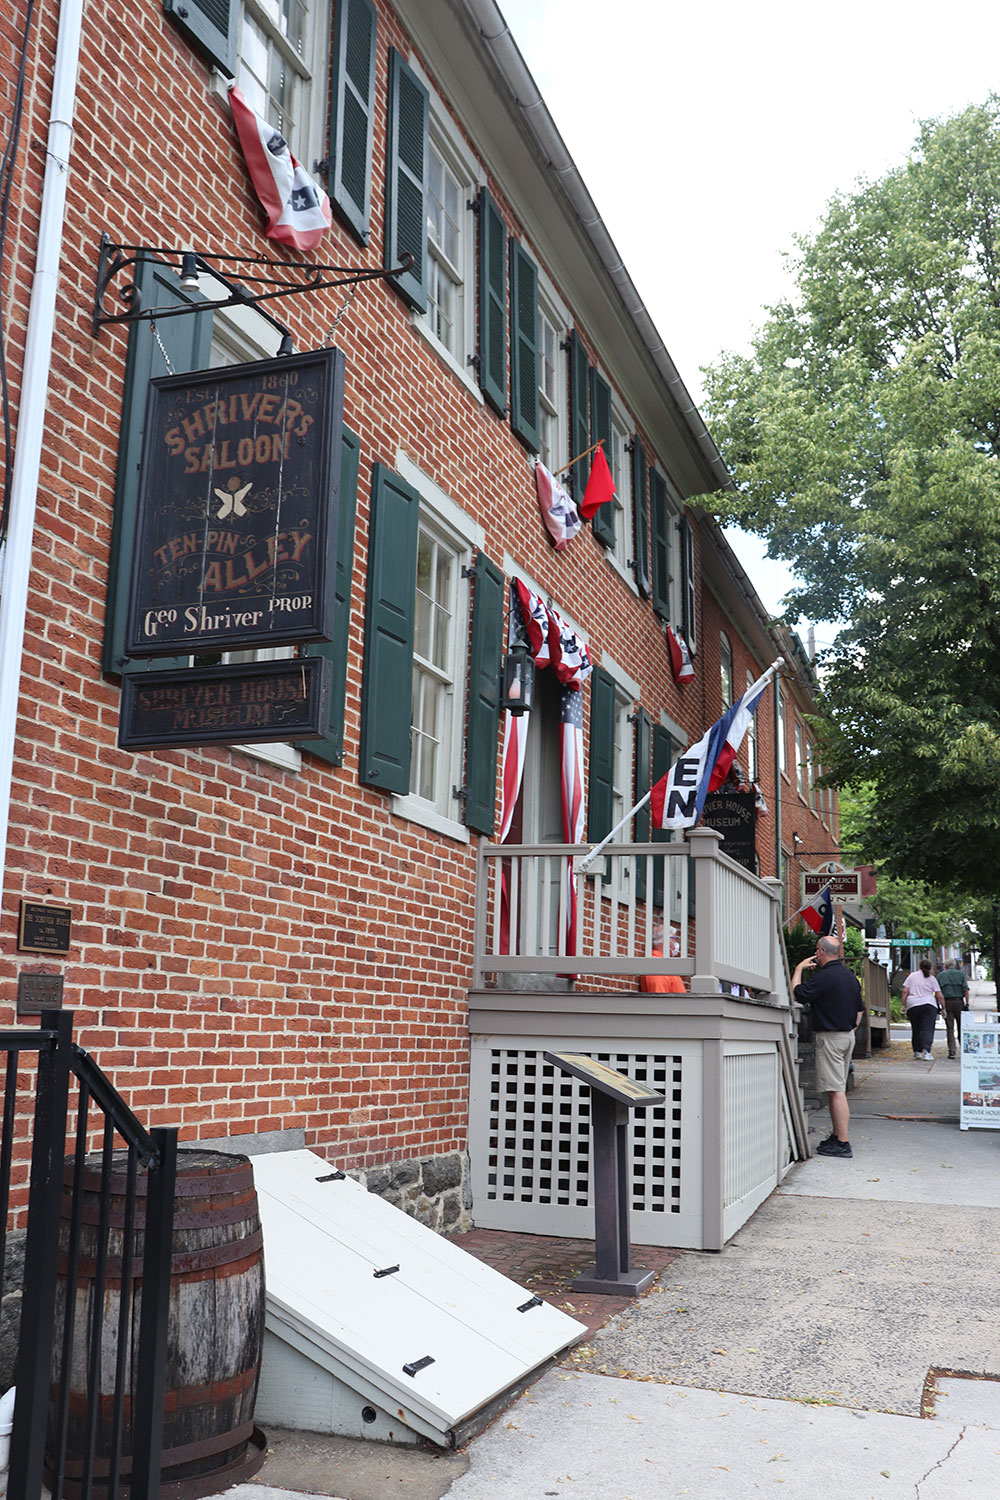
(600,486)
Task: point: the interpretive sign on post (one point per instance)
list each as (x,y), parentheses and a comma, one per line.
(611,1097)
(237,524)
(980,1098)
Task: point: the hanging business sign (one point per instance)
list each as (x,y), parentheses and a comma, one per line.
(980,1098)
(734,815)
(249,702)
(236,530)
(845,885)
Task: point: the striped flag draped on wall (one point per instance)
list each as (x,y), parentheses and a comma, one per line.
(552,644)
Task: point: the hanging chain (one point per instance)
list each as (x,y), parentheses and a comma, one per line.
(166,356)
(328,336)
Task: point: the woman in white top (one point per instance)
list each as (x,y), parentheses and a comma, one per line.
(922,999)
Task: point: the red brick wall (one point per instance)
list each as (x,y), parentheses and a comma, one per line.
(253,948)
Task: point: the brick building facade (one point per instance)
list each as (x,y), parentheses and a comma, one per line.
(279,938)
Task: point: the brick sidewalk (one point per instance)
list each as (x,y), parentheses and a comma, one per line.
(546,1265)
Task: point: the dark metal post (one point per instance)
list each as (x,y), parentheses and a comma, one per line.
(149,1371)
(34,1352)
(624,1187)
(604,1159)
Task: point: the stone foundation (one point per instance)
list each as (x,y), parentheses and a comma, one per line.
(436,1191)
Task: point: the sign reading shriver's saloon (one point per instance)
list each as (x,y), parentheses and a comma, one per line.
(237,522)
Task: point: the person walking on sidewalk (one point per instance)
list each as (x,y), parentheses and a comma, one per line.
(922,999)
(833,995)
(955,988)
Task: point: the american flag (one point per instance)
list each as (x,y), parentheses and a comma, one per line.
(571,756)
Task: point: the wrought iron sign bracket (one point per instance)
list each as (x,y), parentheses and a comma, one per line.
(262,280)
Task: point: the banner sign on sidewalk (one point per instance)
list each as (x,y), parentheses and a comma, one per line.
(980,1098)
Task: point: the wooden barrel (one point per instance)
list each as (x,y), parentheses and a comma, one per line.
(215,1326)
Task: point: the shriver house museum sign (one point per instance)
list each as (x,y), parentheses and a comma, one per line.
(237,526)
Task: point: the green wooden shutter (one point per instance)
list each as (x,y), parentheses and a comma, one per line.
(688,589)
(601,761)
(640,516)
(211,26)
(663,752)
(492,303)
(523,346)
(352,113)
(642,785)
(332,747)
(579,414)
(387,676)
(188,342)
(600,429)
(406,179)
(485,668)
(659,525)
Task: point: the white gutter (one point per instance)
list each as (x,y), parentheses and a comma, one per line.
(34,394)
(496,35)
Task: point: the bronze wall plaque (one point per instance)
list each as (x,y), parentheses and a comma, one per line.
(236,535)
(43,928)
(38,992)
(239,703)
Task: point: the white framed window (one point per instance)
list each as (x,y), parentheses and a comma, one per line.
(280,69)
(552,396)
(782,732)
(446,541)
(800,762)
(453,178)
(621,470)
(753,765)
(811,775)
(726,670)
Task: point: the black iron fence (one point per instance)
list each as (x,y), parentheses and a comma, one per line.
(90,1375)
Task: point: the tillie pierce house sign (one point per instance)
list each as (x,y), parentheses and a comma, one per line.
(237,523)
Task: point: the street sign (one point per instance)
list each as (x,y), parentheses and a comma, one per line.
(912,942)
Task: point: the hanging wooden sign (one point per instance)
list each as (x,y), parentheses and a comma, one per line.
(236,531)
(734,815)
(240,703)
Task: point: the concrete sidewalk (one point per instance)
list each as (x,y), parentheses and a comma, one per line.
(820,1352)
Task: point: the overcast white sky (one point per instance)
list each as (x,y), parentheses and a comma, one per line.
(710,135)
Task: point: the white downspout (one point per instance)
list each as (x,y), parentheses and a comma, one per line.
(34,395)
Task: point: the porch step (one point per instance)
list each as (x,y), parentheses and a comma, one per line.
(375,1326)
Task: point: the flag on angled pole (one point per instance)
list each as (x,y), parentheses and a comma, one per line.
(600,486)
(298,211)
(561,517)
(817,913)
(680,657)
(678,798)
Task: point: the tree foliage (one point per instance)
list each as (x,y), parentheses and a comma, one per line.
(863,432)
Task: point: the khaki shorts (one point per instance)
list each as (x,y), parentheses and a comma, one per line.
(833,1060)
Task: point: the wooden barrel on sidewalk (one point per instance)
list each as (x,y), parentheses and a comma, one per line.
(215,1327)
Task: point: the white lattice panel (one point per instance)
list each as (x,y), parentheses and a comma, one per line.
(530,1141)
(751,1088)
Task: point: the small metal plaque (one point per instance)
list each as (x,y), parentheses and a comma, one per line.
(607,1080)
(43,928)
(234,704)
(38,992)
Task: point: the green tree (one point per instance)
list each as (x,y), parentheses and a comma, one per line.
(863,432)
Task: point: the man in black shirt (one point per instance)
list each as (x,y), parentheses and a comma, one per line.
(834,999)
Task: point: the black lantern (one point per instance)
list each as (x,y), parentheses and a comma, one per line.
(518,681)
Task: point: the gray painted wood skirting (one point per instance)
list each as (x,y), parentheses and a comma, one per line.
(642,1017)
